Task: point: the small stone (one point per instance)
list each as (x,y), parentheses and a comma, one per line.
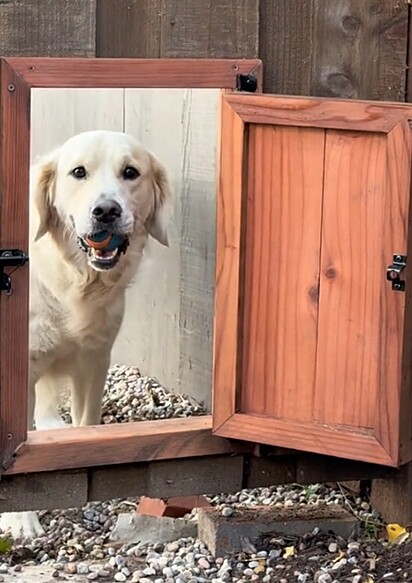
(333,548)
(119,577)
(70,568)
(82,569)
(17,568)
(321,577)
(4,568)
(1,578)
(120,561)
(93,576)
(203,563)
(353,547)
(227,511)
(149,571)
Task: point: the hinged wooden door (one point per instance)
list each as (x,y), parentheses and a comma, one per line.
(312,336)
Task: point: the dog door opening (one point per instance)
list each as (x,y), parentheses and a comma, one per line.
(122,245)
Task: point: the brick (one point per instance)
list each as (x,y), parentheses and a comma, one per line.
(175,507)
(224,535)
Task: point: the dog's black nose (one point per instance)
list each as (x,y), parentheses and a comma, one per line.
(107,211)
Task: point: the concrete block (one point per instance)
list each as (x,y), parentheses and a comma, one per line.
(139,529)
(227,534)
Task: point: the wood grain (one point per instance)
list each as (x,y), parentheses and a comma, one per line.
(326,440)
(48,28)
(361,407)
(231,158)
(133,73)
(14,220)
(211,28)
(318,112)
(121,443)
(282,254)
(359,49)
(285,45)
(128,28)
(360,339)
(350,373)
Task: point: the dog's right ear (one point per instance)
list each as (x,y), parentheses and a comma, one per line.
(42,187)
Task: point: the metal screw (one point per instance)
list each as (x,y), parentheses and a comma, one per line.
(11,87)
(397,286)
(235,67)
(398,258)
(9,436)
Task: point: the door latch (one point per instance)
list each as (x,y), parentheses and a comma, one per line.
(394,271)
(10,258)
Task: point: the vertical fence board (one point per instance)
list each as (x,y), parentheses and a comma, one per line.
(360,49)
(168,328)
(149,337)
(84,110)
(211,28)
(47,28)
(285,45)
(128,28)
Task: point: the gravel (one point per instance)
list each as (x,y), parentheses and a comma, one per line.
(76,541)
(129,396)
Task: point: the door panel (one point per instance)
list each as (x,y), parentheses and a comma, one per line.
(318,337)
(282,255)
(353,284)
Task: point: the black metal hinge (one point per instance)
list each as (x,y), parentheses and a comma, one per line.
(10,258)
(394,271)
(246,83)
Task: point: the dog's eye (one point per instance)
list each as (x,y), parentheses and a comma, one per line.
(130,173)
(79,172)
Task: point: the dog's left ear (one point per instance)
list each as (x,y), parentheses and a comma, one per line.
(163,207)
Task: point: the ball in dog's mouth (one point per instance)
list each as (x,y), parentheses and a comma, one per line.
(104,249)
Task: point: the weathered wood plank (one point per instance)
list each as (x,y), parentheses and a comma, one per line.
(285,45)
(359,49)
(211,28)
(84,110)
(128,28)
(47,28)
(81,447)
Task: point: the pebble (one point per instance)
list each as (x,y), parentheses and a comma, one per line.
(82,569)
(75,537)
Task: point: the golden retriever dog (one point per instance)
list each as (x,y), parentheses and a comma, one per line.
(94,202)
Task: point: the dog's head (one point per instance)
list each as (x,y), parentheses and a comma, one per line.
(103,186)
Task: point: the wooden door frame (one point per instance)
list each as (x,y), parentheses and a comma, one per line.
(45,451)
(237,111)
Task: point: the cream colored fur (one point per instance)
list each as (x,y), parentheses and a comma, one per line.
(76,311)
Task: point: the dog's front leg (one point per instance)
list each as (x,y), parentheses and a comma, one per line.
(88,380)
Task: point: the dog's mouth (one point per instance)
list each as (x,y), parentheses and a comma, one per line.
(103,249)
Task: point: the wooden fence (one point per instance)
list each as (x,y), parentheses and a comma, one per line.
(334,48)
(346,48)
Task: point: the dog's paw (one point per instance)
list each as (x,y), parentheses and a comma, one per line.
(21,524)
(55,422)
